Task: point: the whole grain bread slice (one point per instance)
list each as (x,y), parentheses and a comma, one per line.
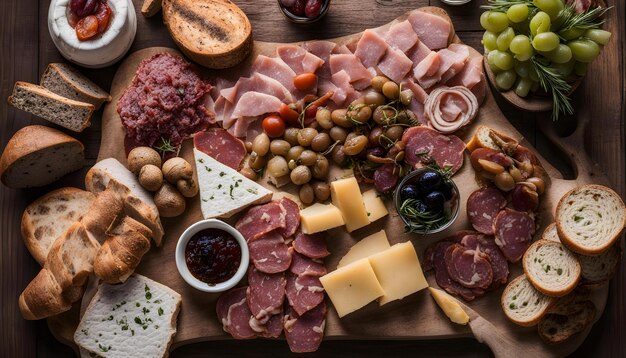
(551,268)
(66,81)
(68,113)
(555,328)
(522,303)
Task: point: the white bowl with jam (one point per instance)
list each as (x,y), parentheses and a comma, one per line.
(212,256)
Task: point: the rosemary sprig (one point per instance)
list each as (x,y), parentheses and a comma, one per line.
(552,82)
(504,5)
(165,146)
(421,221)
(586,20)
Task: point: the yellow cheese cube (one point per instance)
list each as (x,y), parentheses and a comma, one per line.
(319,217)
(346,195)
(368,246)
(352,287)
(450,306)
(374,205)
(399,272)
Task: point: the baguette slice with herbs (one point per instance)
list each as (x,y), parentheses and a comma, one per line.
(66,81)
(598,269)
(550,233)
(523,304)
(551,268)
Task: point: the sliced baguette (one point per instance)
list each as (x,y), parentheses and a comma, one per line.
(590,218)
(551,233)
(213,33)
(556,328)
(48,217)
(522,303)
(66,81)
(599,269)
(38,155)
(551,268)
(68,113)
(483,139)
(151,7)
(134,319)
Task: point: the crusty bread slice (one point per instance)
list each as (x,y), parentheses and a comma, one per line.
(135,319)
(522,303)
(590,218)
(598,269)
(550,233)
(151,7)
(38,155)
(43,297)
(551,268)
(47,218)
(68,113)
(66,81)
(213,33)
(482,139)
(556,328)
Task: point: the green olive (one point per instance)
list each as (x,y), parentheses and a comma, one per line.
(383,114)
(391,90)
(321,142)
(306,194)
(406,96)
(394,133)
(300,175)
(306,135)
(291,135)
(339,117)
(322,116)
(339,157)
(294,153)
(277,167)
(261,144)
(279,147)
(355,145)
(378,82)
(307,157)
(320,168)
(321,190)
(374,98)
(361,114)
(338,134)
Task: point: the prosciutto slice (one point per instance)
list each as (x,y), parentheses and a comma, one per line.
(514,232)
(221,145)
(275,68)
(260,220)
(418,52)
(299,59)
(450,108)
(424,144)
(426,70)
(351,64)
(269,253)
(453,61)
(321,49)
(252,104)
(305,333)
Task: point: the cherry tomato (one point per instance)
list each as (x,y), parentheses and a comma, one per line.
(87,28)
(288,114)
(313,8)
(298,8)
(103,13)
(274,126)
(305,81)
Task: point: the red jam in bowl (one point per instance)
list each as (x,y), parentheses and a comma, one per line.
(213,256)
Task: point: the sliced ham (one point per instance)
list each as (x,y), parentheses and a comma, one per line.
(269,253)
(453,60)
(401,36)
(425,72)
(292,216)
(514,232)
(221,145)
(351,64)
(312,246)
(425,144)
(275,68)
(234,313)
(345,92)
(299,59)
(386,177)
(470,75)
(260,220)
(341,50)
(304,292)
(450,108)
(418,52)
(321,49)
(253,104)
(302,265)
(470,268)
(246,127)
(482,207)
(418,92)
(433,30)
(371,48)
(395,65)
(265,294)
(305,333)
(487,245)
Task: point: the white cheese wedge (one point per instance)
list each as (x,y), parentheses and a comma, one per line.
(374,205)
(399,272)
(450,306)
(368,246)
(346,196)
(319,217)
(223,191)
(352,287)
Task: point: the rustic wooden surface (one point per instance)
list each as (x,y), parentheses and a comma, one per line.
(27,49)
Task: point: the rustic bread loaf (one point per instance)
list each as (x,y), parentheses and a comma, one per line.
(482,139)
(556,328)
(550,233)
(43,297)
(134,319)
(551,268)
(590,218)
(48,217)
(68,113)
(67,82)
(598,269)
(522,303)
(102,214)
(213,33)
(38,155)
(150,7)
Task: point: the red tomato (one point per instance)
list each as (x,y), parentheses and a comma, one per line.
(87,28)
(289,115)
(103,13)
(274,126)
(305,81)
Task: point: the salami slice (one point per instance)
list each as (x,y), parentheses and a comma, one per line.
(514,232)
(292,217)
(304,292)
(312,246)
(305,333)
(443,278)
(269,253)
(424,144)
(302,265)
(386,177)
(232,309)
(470,268)
(482,207)
(260,220)
(487,245)
(265,294)
(221,145)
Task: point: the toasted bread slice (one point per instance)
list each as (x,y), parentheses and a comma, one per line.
(522,303)
(66,81)
(551,268)
(483,139)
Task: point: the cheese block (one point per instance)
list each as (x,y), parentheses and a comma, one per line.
(352,287)
(449,305)
(399,272)
(374,205)
(368,246)
(320,217)
(346,196)
(223,191)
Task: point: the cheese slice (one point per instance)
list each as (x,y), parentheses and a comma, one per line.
(223,191)
(450,306)
(346,196)
(319,217)
(352,287)
(399,272)
(368,246)
(374,205)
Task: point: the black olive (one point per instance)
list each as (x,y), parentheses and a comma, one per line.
(446,189)
(435,200)
(420,206)
(429,181)
(409,192)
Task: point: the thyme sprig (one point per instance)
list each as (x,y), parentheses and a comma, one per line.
(166,146)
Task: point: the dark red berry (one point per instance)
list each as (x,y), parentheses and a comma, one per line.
(313,8)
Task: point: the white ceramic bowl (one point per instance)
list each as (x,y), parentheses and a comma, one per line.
(182,265)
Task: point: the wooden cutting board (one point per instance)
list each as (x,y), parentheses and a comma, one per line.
(415,317)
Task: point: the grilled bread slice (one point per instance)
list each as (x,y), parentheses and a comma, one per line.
(598,269)
(590,218)
(213,33)
(522,303)
(551,268)
(66,81)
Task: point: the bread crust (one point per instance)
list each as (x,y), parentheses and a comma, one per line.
(537,284)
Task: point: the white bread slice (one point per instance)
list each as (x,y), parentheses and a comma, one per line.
(522,303)
(213,33)
(590,218)
(151,7)
(550,233)
(556,328)
(551,268)
(482,139)
(47,218)
(66,81)
(223,191)
(138,202)
(133,319)
(599,269)
(39,155)
(68,113)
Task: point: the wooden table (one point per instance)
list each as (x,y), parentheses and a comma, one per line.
(27,49)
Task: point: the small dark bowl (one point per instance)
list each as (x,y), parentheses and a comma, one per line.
(303,19)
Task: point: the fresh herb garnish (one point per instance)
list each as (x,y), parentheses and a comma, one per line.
(166,146)
(552,82)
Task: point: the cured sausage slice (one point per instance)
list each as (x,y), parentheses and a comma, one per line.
(312,246)
(486,245)
(274,326)
(302,265)
(269,253)
(425,144)
(221,145)
(443,278)
(292,216)
(482,207)
(304,292)
(470,268)
(305,333)
(234,313)
(386,177)
(260,220)
(513,231)
(265,294)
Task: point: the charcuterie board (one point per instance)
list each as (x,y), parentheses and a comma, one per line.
(415,317)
